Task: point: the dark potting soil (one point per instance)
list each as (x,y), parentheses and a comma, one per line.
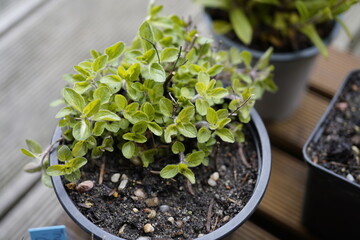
(261,40)
(337,148)
(175,208)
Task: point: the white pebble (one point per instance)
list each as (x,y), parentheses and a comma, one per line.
(164,208)
(123,184)
(201,235)
(211,182)
(85,186)
(143,238)
(215,176)
(124,177)
(148,228)
(152,214)
(350,177)
(139,193)
(135,210)
(171,219)
(152,202)
(115,177)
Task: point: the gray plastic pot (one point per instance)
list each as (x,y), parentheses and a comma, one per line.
(262,143)
(291,74)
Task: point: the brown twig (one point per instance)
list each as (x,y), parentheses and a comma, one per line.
(216,222)
(102,170)
(243,157)
(245,178)
(49,150)
(189,188)
(209,213)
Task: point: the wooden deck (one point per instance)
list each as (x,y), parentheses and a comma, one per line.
(56,35)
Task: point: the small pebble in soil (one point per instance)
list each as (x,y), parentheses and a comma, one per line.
(342,106)
(143,238)
(148,228)
(135,210)
(85,186)
(139,193)
(215,176)
(164,208)
(211,182)
(350,177)
(179,224)
(201,235)
(122,229)
(152,202)
(171,220)
(123,184)
(152,214)
(115,177)
(225,219)
(70,186)
(124,177)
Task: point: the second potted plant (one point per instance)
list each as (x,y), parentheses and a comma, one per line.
(151,144)
(297,30)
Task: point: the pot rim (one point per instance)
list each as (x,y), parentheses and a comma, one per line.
(275,57)
(257,128)
(319,128)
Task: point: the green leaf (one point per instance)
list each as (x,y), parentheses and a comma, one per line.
(264,60)
(169,171)
(134,137)
(33,146)
(105,115)
(133,72)
(214,4)
(103,93)
(170,131)
(138,116)
(147,157)
(82,87)
(169,54)
(128,149)
(113,82)
(186,115)
(201,88)
(120,101)
(187,129)
(241,25)
(145,32)
(222,113)
(221,27)
(92,108)
(222,123)
(32,167)
(28,153)
(56,170)
(98,128)
(148,109)
(203,135)
(64,153)
(177,147)
(155,128)
(77,162)
(74,99)
(80,149)
(184,170)
(115,50)
(214,70)
(140,127)
(218,92)
(46,180)
(166,106)
(82,130)
(203,77)
(99,63)
(82,71)
(201,106)
(74,176)
(64,112)
(211,116)
(310,31)
(225,135)
(247,58)
(195,159)
(157,72)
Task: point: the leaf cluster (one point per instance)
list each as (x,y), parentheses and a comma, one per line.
(161,97)
(287,18)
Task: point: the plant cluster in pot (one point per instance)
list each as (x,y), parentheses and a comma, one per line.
(151,144)
(297,30)
(332,198)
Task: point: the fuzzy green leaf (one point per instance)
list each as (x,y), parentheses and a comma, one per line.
(133,72)
(148,109)
(74,176)
(140,127)
(64,153)
(187,129)
(113,82)
(241,25)
(103,93)
(128,150)
(92,108)
(80,149)
(147,157)
(77,163)
(115,50)
(170,131)
(146,36)
(28,153)
(64,112)
(157,72)
(74,99)
(184,170)
(225,135)
(99,63)
(195,159)
(203,135)
(169,171)
(33,146)
(186,115)
(214,70)
(56,170)
(82,130)
(120,102)
(201,106)
(222,27)
(203,77)
(105,115)
(218,92)
(169,54)
(177,147)
(211,116)
(166,107)
(155,128)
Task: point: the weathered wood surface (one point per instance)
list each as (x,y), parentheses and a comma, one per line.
(37,52)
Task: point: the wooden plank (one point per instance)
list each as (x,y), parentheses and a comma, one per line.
(283,200)
(292,133)
(330,73)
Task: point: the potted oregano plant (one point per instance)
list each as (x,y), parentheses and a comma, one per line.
(151,144)
(297,30)
(332,198)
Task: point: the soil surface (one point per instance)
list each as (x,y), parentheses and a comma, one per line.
(337,148)
(174,208)
(264,37)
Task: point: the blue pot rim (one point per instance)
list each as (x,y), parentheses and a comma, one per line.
(261,138)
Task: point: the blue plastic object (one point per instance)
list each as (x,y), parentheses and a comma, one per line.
(48,233)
